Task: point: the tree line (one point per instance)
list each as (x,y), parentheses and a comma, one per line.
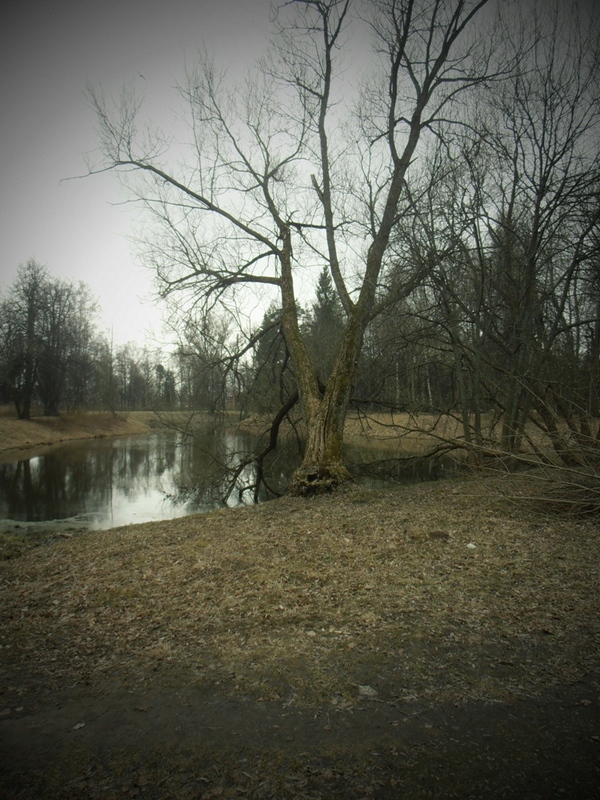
(53,358)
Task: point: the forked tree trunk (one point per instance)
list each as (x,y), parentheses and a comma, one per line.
(322,469)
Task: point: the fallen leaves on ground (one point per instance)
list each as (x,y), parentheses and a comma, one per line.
(440,590)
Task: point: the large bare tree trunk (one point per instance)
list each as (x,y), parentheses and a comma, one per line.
(322,468)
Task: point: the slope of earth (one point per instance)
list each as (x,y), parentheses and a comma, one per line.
(437,640)
(23,435)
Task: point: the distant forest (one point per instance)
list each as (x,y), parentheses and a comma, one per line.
(54,359)
(466,345)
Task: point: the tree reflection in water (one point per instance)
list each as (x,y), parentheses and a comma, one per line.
(104,483)
(109,482)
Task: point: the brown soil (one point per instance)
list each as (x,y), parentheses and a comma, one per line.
(439,640)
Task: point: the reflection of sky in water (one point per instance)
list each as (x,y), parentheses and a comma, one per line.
(136,506)
(106,483)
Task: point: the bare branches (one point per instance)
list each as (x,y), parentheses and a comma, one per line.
(294,172)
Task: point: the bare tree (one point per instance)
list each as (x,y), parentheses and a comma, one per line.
(47,332)
(23,311)
(282,182)
(204,360)
(542,221)
(55,343)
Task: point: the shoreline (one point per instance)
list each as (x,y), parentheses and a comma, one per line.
(18,435)
(41,431)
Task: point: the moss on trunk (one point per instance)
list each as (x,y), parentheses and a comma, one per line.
(316,479)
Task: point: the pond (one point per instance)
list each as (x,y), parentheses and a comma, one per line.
(104,483)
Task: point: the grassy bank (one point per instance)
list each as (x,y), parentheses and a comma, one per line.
(17,434)
(279,600)
(400,433)
(339,633)
(40,431)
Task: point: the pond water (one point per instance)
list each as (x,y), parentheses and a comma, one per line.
(104,483)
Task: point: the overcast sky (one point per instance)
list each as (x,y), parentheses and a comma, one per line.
(49,50)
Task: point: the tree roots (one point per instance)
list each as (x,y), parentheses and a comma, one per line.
(316,479)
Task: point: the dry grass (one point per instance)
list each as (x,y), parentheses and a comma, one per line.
(40,431)
(440,591)
(16,434)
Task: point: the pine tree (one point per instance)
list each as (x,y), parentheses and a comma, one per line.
(325,326)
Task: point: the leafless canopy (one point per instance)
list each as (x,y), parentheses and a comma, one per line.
(304,165)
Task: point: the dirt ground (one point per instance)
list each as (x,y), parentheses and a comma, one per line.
(179,741)
(436,640)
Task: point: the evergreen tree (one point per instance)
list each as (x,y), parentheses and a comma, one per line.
(273,379)
(325,326)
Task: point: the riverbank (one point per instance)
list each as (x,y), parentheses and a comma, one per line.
(433,640)
(404,434)
(17,434)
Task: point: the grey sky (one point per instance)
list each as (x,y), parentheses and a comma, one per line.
(48,52)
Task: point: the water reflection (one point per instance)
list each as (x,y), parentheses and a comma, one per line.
(100,484)
(109,482)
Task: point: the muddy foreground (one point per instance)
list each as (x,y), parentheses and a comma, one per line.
(183,742)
